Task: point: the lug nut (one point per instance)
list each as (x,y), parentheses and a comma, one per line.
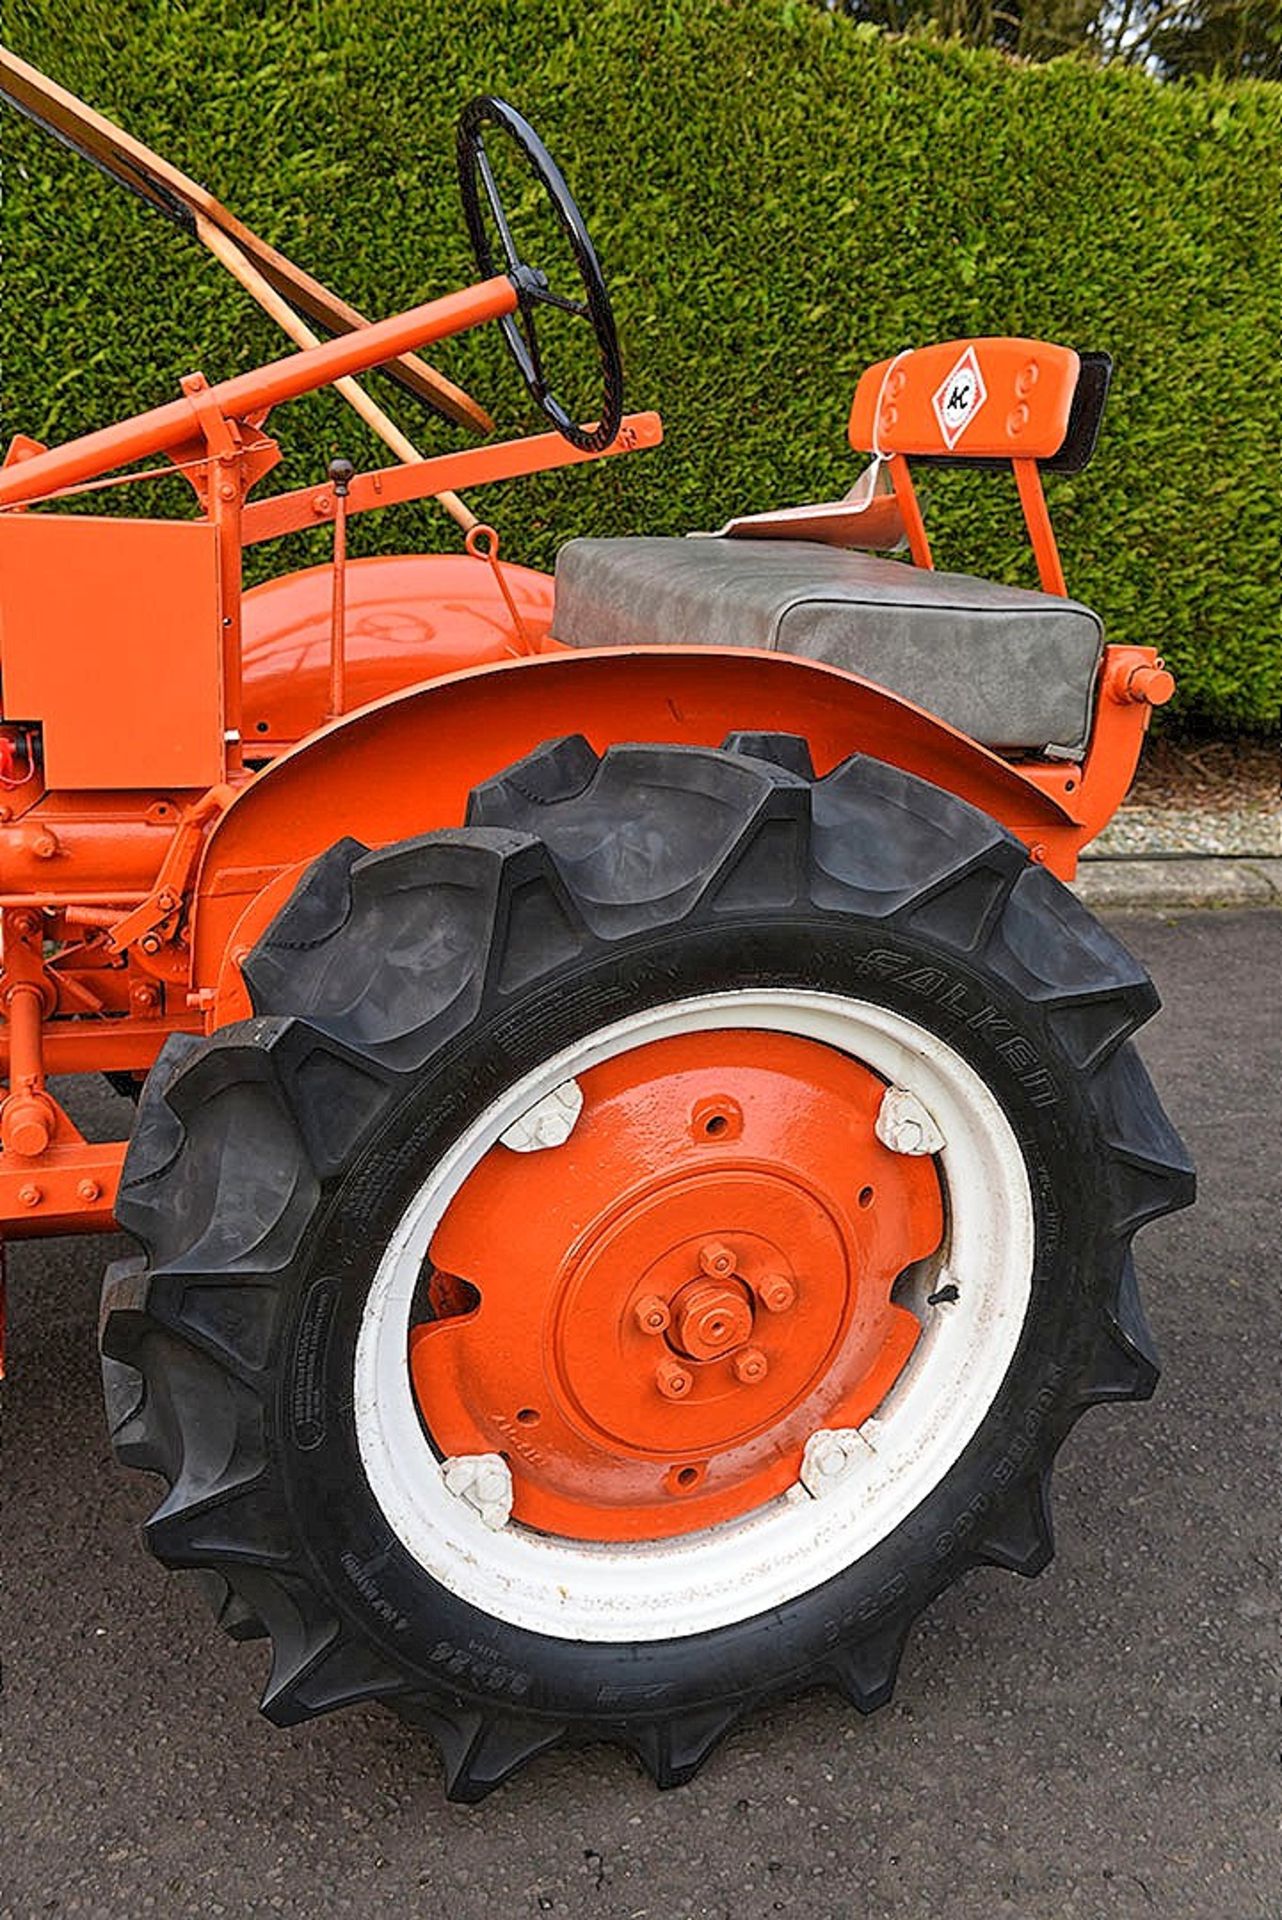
(673,1382)
(652,1314)
(750,1366)
(776,1292)
(716,1259)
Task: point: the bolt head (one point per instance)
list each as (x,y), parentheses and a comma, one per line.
(652,1314)
(750,1366)
(673,1382)
(30,1195)
(89,1191)
(776,1292)
(716,1259)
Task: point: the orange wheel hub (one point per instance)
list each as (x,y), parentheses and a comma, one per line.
(676,1297)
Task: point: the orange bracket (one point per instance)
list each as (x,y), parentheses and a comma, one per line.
(153,921)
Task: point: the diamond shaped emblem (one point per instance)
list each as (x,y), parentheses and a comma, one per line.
(960,398)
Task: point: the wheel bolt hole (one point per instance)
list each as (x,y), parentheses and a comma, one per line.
(719,1118)
(865,1196)
(687,1476)
(684,1479)
(528,1416)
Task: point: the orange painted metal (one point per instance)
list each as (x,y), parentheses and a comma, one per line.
(1050,568)
(980,399)
(106,624)
(407,763)
(408,617)
(51,1179)
(152,822)
(1019,409)
(447,472)
(670,1303)
(910,511)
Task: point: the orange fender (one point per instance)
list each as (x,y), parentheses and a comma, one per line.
(406,764)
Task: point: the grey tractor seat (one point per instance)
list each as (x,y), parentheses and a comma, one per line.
(1015,670)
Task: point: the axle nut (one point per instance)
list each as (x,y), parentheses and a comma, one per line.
(776,1292)
(750,1366)
(673,1382)
(652,1314)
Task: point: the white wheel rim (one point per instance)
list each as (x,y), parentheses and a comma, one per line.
(663,1590)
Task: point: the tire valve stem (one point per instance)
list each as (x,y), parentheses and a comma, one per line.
(943,1296)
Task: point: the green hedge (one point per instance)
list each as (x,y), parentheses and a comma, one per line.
(779,198)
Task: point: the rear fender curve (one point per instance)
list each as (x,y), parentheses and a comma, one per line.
(406,764)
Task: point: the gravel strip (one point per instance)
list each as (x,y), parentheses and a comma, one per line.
(1243,831)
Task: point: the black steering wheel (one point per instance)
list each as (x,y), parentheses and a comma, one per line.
(476,178)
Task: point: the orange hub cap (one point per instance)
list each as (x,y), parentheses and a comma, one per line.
(675,1298)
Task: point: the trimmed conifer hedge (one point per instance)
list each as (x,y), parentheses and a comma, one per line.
(779,198)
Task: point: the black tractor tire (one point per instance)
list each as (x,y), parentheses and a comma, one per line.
(395,996)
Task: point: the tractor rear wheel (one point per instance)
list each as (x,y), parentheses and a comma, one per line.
(646,1244)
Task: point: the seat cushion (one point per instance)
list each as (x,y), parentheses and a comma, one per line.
(1013,669)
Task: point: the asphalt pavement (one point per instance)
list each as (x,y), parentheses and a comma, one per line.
(1102,1742)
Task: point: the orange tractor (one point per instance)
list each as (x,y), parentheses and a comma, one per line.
(638,1148)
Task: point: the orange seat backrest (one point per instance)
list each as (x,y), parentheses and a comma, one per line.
(983,400)
(997,399)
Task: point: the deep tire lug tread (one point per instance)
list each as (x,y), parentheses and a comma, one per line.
(479,1750)
(232,1615)
(558,770)
(1021,1539)
(316,911)
(865,1668)
(1124,1365)
(786,750)
(672,1751)
(566,856)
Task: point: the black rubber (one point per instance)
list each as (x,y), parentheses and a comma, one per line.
(397,994)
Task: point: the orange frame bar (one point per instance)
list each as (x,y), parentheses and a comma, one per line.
(447,472)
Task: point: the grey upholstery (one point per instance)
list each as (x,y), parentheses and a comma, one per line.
(1015,670)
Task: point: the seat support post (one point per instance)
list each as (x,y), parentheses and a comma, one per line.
(914,526)
(1037,519)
